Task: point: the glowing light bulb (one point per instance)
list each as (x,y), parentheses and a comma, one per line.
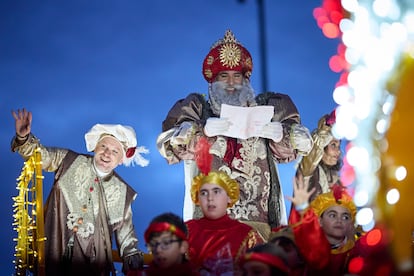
(393,196)
(364,216)
(400,173)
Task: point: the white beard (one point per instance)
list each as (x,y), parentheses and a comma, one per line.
(243,95)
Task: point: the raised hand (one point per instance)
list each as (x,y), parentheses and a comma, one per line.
(23,122)
(301,194)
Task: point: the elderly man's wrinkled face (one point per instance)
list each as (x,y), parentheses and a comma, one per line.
(230,88)
(108,154)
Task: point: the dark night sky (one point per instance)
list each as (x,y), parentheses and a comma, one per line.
(77,63)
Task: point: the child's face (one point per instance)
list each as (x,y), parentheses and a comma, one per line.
(167,249)
(332,152)
(255,268)
(213,200)
(336,222)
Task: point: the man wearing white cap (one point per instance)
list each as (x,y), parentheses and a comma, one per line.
(89,202)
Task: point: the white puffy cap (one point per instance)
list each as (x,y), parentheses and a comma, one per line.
(124,134)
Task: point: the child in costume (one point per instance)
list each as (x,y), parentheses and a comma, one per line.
(324,230)
(325,235)
(167,240)
(216,240)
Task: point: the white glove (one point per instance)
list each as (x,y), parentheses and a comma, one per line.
(183,134)
(216,126)
(322,138)
(301,139)
(272,130)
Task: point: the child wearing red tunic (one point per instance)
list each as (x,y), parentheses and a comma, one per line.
(325,235)
(216,241)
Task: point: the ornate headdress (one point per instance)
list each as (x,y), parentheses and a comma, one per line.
(227,54)
(126,137)
(337,196)
(203,159)
(217,177)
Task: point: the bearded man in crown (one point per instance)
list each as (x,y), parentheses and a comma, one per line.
(250,159)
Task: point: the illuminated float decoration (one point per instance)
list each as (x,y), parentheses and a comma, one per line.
(375,112)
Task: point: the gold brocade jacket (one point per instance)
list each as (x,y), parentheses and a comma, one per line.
(82,213)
